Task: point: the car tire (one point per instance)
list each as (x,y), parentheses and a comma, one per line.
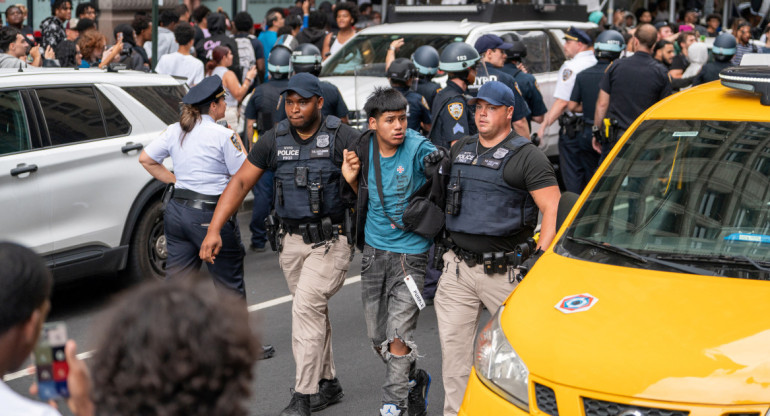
(147,252)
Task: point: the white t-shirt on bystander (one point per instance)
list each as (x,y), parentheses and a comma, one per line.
(182,66)
(13,404)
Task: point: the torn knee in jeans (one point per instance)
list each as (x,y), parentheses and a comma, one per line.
(398,348)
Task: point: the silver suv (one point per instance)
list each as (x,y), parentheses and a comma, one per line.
(72,188)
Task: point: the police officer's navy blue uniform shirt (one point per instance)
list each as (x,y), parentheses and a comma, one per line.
(334,105)
(428,89)
(264,103)
(529,90)
(710,72)
(634,84)
(417,110)
(586,89)
(520,110)
(450,116)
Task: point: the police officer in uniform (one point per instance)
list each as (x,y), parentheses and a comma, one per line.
(401,74)
(450,119)
(498,182)
(526,82)
(195,141)
(425,59)
(608,47)
(723,50)
(628,88)
(492,48)
(305,152)
(262,111)
(577,47)
(307,58)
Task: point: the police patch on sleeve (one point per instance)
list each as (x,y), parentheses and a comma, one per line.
(322,140)
(236,143)
(458,129)
(566,74)
(424,103)
(455,110)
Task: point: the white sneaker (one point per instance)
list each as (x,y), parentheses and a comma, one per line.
(390,410)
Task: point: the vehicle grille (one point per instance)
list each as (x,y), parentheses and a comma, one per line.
(546,400)
(595,407)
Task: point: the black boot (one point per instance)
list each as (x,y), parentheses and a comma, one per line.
(329,392)
(298,406)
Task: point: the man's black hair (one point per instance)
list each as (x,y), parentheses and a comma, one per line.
(660,45)
(682,38)
(82,7)
(294,21)
(243,22)
(184,34)
(140,23)
(351,7)
(200,13)
(181,9)
(85,24)
(126,30)
(316,20)
(8,35)
(364,6)
(168,17)
(714,16)
(58,4)
(283,30)
(382,100)
(26,283)
(272,15)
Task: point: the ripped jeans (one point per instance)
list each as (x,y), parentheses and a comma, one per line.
(391,313)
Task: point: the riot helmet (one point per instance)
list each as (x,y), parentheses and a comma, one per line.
(401,70)
(609,45)
(458,57)
(287,41)
(306,58)
(425,59)
(279,62)
(724,47)
(518,51)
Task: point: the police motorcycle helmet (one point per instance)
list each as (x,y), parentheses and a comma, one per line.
(458,57)
(609,45)
(518,51)
(306,58)
(401,70)
(724,47)
(425,60)
(279,62)
(287,41)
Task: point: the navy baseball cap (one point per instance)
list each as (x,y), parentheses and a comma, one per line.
(206,91)
(495,93)
(305,84)
(490,41)
(578,36)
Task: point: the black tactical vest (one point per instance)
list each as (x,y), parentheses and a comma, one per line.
(306,178)
(487,204)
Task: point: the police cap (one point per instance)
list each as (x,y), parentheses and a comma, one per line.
(490,41)
(206,91)
(495,93)
(305,84)
(577,35)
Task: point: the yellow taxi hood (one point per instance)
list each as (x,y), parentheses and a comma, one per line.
(649,334)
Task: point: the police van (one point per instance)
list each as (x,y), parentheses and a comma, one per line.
(359,66)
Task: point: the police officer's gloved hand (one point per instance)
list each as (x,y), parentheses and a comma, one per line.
(432,161)
(527,264)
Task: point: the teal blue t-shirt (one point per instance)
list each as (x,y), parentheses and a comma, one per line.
(402,174)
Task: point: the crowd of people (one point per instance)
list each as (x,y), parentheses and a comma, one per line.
(323,189)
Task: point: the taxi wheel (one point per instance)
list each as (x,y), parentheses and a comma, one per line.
(148,254)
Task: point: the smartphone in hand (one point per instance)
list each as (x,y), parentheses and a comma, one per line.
(120,36)
(51,362)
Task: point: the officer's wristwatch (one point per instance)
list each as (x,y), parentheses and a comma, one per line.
(595,128)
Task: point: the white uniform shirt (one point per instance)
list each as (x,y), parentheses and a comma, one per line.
(205,161)
(13,404)
(181,66)
(568,72)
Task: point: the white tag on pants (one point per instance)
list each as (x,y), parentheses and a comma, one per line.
(415,292)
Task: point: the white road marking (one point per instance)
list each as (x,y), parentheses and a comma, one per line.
(29,371)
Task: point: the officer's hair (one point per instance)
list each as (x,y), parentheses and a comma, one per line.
(463,75)
(191,115)
(243,22)
(177,348)
(8,35)
(382,100)
(58,4)
(647,35)
(26,283)
(183,34)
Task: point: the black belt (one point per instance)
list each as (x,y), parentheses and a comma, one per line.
(472,259)
(195,200)
(297,229)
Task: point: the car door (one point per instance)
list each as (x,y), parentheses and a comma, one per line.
(92,173)
(25,215)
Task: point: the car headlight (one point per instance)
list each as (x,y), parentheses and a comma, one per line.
(499,366)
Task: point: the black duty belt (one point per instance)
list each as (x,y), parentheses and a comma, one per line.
(195,200)
(317,233)
(297,229)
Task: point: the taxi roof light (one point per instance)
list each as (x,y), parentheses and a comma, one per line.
(754,78)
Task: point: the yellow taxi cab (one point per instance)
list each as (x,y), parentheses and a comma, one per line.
(654,298)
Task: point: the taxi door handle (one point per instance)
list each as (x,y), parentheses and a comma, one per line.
(131,146)
(23,168)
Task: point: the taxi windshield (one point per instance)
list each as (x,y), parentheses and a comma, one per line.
(365,54)
(685,192)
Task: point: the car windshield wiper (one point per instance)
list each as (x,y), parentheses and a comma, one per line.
(638,257)
(737,259)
